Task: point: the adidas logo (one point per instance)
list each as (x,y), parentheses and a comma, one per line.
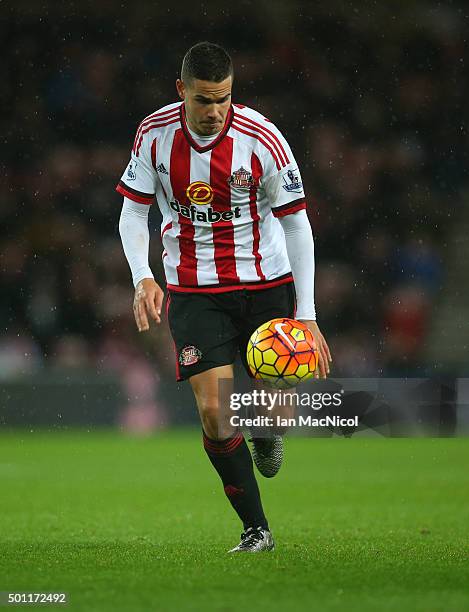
(161,169)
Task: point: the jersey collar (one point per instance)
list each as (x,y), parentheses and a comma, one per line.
(215,141)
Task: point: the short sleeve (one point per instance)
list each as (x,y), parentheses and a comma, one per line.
(282,179)
(138,180)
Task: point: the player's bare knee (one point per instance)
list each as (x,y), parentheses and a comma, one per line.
(215,426)
(209,415)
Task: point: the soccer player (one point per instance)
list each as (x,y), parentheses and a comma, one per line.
(238,251)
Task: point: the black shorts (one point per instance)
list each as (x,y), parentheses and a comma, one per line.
(209,328)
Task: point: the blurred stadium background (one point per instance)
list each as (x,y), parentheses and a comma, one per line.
(373,99)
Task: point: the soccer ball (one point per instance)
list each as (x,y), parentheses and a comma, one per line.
(282,352)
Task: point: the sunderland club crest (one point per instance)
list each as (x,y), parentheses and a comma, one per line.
(242,178)
(189,355)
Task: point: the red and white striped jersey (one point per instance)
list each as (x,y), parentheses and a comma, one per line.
(220,202)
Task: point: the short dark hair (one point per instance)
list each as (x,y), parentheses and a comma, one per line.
(207,62)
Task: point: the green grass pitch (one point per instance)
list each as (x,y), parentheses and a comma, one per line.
(129,524)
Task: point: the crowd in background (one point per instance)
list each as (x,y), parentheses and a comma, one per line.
(374,107)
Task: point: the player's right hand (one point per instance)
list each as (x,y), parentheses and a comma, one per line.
(147,301)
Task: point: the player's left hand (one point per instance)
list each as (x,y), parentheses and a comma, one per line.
(324,353)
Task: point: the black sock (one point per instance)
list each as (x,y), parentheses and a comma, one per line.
(232,460)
